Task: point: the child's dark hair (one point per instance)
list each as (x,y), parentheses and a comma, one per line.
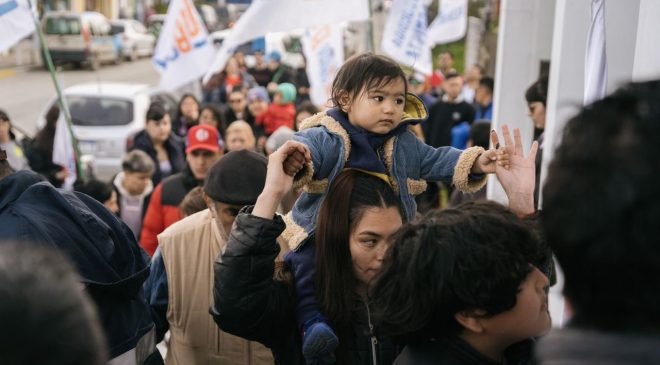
(472,257)
(363,72)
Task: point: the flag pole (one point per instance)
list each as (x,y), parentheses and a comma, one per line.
(64,107)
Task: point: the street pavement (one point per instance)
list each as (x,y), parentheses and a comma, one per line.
(25,93)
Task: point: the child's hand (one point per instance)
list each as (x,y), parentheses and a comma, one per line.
(296,160)
(487,161)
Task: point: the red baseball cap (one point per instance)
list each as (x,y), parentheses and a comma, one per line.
(202,137)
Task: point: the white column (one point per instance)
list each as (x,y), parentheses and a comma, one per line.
(524,40)
(566,84)
(621,24)
(647,51)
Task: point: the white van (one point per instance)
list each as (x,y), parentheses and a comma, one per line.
(81,38)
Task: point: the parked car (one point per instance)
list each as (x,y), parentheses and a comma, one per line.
(136,41)
(81,38)
(106,115)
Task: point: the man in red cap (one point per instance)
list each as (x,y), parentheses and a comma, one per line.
(202,151)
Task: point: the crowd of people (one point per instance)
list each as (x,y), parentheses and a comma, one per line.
(250,227)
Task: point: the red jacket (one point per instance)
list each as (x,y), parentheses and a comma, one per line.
(163,210)
(276,116)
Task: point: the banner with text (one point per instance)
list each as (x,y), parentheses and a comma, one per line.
(451,23)
(324,50)
(404,37)
(184,51)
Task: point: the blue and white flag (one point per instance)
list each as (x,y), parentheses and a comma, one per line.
(16,22)
(404,37)
(266,16)
(451,23)
(595,64)
(324,51)
(184,51)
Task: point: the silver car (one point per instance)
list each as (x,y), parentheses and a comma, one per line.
(105,116)
(136,41)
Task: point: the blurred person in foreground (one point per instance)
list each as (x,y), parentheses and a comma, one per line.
(180,286)
(109,263)
(47,318)
(203,149)
(600,216)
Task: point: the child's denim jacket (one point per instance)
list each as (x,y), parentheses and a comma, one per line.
(409,161)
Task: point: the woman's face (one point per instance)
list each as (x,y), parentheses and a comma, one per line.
(190,108)
(207,118)
(370,240)
(159,130)
(537,113)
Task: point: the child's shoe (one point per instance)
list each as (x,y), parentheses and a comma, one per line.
(319,344)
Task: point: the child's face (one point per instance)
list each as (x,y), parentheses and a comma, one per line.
(378,110)
(529,317)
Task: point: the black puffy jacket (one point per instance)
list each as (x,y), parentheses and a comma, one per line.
(249,302)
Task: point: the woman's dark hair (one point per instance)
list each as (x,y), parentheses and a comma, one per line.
(156,111)
(472,257)
(99,190)
(364,72)
(217,115)
(46,136)
(538,91)
(5,117)
(179,114)
(350,194)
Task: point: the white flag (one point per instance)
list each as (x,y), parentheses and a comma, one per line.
(595,65)
(16,22)
(451,23)
(63,153)
(324,50)
(266,16)
(404,37)
(184,51)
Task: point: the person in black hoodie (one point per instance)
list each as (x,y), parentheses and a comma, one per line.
(158,141)
(110,264)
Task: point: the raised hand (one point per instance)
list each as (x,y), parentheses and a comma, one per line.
(283,165)
(519,178)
